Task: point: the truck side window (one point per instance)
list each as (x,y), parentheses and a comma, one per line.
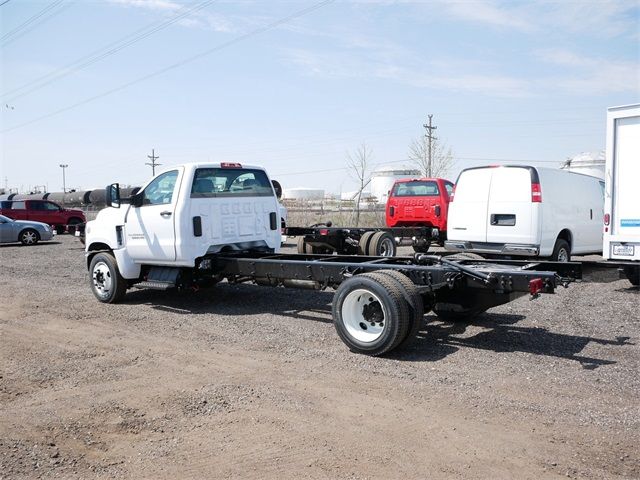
(160,190)
(18,206)
(50,206)
(38,206)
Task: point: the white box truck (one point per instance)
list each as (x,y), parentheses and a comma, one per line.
(621,240)
(516,210)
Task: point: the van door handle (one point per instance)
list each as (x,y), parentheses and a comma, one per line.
(165,214)
(591,213)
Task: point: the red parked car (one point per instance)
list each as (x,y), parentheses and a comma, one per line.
(43,211)
(420,202)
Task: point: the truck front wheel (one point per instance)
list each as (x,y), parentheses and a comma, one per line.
(105,280)
(370,314)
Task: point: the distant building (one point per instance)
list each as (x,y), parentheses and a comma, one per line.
(303,194)
(587,163)
(383,179)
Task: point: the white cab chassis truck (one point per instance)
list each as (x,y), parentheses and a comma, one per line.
(621,240)
(526,211)
(194,225)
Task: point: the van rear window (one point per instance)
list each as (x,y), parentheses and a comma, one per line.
(415,189)
(230,182)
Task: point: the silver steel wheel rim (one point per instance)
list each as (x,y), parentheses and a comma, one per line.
(563,255)
(29,238)
(386,248)
(354,321)
(102,280)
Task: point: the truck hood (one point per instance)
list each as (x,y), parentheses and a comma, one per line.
(107,217)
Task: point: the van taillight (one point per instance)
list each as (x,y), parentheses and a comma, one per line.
(453,192)
(607,219)
(536,193)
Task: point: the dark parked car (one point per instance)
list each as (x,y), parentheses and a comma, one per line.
(23,231)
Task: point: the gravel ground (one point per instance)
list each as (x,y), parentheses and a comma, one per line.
(253,382)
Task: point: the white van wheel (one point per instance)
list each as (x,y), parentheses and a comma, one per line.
(561,251)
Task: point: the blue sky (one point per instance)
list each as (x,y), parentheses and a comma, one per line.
(271,83)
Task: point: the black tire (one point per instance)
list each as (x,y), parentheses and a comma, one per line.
(301,245)
(416,304)
(561,251)
(29,236)
(71,226)
(633,274)
(363,244)
(456,316)
(105,280)
(421,248)
(382,244)
(353,317)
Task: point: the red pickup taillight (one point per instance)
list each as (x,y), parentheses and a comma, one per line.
(536,193)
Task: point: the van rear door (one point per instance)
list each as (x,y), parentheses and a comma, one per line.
(511,215)
(468,212)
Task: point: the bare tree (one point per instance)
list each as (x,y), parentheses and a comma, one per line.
(358,163)
(441,156)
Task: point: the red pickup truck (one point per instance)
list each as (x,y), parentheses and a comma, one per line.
(43,211)
(420,202)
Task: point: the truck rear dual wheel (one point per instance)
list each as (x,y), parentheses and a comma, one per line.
(363,244)
(415,301)
(382,244)
(633,274)
(105,280)
(371,314)
(304,247)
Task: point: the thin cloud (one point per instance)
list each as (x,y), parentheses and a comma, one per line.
(592,75)
(165,5)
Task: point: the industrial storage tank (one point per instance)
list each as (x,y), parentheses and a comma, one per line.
(56,197)
(587,163)
(29,196)
(383,179)
(77,199)
(303,194)
(7,196)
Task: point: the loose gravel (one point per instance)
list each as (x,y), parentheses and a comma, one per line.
(242,381)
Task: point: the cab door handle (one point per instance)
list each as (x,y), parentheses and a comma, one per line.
(165,214)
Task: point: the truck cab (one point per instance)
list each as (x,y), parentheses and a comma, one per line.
(185,213)
(419,202)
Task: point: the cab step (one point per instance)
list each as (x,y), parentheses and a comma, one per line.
(155,285)
(160,278)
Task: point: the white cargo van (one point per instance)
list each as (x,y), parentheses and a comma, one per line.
(622,193)
(526,211)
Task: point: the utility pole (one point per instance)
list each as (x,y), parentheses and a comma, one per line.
(153,163)
(64,182)
(429,135)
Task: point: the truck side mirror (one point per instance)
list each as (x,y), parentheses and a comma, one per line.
(136,199)
(278,188)
(113,195)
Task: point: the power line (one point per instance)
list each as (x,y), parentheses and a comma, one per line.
(181,63)
(46,13)
(5,2)
(153,157)
(103,52)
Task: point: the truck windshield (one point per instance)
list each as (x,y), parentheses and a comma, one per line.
(415,189)
(230,182)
